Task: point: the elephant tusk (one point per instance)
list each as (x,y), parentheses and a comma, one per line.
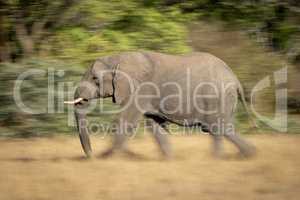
(73,102)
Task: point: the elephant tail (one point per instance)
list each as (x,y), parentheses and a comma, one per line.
(241,96)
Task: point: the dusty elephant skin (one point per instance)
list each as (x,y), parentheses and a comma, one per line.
(197,89)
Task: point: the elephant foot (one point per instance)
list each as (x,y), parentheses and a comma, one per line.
(218,154)
(248,152)
(108,153)
(89,155)
(167,155)
(132,155)
(124,151)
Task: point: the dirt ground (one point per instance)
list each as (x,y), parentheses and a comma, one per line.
(54,168)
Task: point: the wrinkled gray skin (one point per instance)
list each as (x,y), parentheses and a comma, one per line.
(160,69)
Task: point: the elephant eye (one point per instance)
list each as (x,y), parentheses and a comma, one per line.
(96,80)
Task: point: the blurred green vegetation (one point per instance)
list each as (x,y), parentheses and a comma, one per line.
(69,34)
(85,30)
(278,22)
(48,120)
(34,94)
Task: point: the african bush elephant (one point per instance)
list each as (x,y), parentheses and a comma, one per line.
(197,90)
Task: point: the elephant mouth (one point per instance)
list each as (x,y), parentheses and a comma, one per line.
(77,101)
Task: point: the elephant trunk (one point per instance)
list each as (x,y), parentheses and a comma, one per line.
(81,122)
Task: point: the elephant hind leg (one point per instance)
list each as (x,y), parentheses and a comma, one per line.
(217,139)
(246,149)
(217,143)
(227,130)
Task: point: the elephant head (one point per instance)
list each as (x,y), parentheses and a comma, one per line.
(104,79)
(97,82)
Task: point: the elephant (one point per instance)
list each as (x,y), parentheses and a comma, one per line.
(192,90)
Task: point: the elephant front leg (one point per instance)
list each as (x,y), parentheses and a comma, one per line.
(124,126)
(159,132)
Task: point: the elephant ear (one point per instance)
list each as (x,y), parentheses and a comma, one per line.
(129,73)
(122,85)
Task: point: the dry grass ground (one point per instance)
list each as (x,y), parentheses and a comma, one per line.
(54,168)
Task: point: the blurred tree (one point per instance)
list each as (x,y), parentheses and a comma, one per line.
(279,20)
(68,28)
(28,22)
(4,52)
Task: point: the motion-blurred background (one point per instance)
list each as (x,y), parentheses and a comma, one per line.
(255,37)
